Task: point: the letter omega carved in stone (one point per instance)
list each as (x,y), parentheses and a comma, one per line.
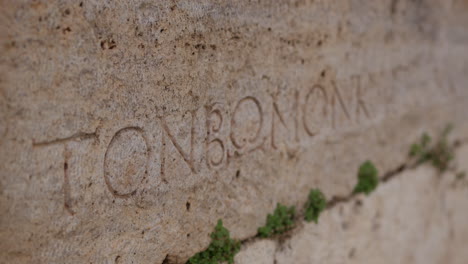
(240,143)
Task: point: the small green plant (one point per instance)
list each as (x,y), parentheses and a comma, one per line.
(315,204)
(421,149)
(439,154)
(280,221)
(367,178)
(221,249)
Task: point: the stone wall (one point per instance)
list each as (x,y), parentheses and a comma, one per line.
(128,128)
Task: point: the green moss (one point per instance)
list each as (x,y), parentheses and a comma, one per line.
(280,221)
(221,249)
(315,204)
(439,154)
(367,178)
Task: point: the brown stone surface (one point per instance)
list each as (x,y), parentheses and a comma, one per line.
(128,128)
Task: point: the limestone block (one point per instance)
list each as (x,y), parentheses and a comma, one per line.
(128,128)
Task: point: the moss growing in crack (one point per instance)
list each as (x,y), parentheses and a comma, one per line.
(421,148)
(439,154)
(221,249)
(367,178)
(315,204)
(280,221)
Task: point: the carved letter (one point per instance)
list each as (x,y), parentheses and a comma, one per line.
(320,91)
(360,104)
(337,97)
(241,142)
(211,128)
(188,158)
(67,204)
(126,161)
(276,112)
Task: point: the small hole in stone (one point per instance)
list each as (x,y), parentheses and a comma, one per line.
(166,260)
(358,202)
(187,205)
(344,225)
(237,173)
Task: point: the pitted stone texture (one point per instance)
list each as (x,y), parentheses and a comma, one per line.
(129,128)
(261,252)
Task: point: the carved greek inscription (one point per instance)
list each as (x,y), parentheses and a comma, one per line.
(187,157)
(214,145)
(314,110)
(282,117)
(288,119)
(361,108)
(67,154)
(126,161)
(337,102)
(247,118)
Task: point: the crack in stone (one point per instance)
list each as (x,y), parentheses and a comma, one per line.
(333,202)
(336,200)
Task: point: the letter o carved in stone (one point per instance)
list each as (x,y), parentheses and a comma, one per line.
(126,161)
(316,98)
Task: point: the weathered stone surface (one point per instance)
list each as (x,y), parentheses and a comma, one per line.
(419,216)
(129,128)
(262,251)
